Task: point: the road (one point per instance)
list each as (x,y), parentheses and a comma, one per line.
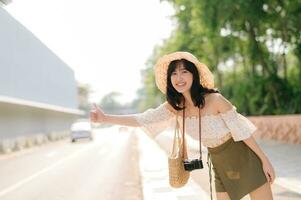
(105,168)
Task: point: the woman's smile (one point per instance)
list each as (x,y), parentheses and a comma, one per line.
(181,84)
(181,79)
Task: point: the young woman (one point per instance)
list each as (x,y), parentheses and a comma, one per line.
(240,166)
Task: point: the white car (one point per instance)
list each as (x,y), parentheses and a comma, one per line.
(81,129)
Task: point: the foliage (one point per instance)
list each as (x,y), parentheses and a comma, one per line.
(253,47)
(83,92)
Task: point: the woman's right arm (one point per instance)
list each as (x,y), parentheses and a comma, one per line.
(126,120)
(152,121)
(98,116)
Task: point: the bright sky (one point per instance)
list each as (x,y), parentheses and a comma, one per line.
(105,42)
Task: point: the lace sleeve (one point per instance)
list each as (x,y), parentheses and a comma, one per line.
(241,128)
(154,120)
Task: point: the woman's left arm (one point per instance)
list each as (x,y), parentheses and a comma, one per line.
(266,165)
(223,105)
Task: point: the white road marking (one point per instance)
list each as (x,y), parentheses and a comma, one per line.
(28,179)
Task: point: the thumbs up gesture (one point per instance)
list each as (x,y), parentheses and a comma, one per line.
(96,114)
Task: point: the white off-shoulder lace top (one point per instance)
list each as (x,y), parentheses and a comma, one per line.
(215,130)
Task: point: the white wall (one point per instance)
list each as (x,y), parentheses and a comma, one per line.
(17,120)
(29,70)
(31,73)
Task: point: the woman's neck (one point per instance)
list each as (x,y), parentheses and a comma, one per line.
(188,101)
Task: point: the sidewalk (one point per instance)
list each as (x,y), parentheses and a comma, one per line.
(285,158)
(154,175)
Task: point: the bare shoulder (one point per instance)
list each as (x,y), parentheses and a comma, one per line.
(218,101)
(215,102)
(169,107)
(211,96)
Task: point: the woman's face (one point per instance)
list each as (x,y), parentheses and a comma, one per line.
(181,79)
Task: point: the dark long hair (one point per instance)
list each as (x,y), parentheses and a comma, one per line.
(197,91)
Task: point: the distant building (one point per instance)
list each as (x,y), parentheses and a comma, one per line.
(38,91)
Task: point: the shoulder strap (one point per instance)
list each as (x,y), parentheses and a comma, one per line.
(183,132)
(200,134)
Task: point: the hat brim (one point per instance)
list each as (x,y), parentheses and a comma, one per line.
(206,77)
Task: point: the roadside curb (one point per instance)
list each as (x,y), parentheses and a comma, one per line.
(154,174)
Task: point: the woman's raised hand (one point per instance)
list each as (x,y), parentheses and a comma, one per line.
(96,114)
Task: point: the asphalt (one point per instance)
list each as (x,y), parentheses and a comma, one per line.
(149,172)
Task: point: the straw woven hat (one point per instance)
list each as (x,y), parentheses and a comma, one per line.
(206,77)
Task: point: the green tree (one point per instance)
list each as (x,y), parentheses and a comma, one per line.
(84,91)
(252,47)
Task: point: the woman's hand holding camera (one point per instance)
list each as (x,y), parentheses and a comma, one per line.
(96,114)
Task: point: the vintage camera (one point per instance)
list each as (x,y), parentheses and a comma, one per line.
(193,164)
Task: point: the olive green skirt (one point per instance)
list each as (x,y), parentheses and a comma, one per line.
(237,169)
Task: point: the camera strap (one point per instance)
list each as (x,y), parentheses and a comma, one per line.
(200,138)
(200,142)
(183,132)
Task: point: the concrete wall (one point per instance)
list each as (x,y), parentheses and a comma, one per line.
(29,70)
(16,120)
(38,91)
